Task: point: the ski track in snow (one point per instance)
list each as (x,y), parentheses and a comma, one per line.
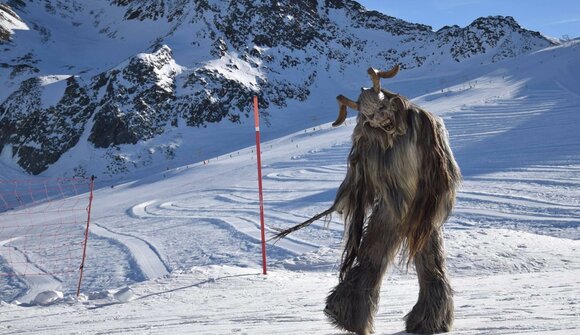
(35,283)
(144,254)
(512,241)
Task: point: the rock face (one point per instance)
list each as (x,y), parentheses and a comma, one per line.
(9,20)
(154,65)
(135,99)
(39,136)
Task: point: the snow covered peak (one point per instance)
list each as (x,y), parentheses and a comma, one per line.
(495,23)
(497,37)
(140,70)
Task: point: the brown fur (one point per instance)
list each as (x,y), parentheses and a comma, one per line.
(399,189)
(411,175)
(412,170)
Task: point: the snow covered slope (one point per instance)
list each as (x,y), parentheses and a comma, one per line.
(186,240)
(113,88)
(9,21)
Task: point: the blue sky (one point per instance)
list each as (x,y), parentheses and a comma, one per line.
(553,18)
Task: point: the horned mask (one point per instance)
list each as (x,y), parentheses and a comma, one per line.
(379,107)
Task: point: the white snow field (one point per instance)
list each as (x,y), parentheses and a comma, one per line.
(178,252)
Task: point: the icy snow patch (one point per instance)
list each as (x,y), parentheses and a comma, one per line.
(125,294)
(11,21)
(49,297)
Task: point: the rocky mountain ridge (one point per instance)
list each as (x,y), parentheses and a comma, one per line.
(134,70)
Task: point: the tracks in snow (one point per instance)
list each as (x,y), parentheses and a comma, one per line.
(22,266)
(145,255)
(537,194)
(218,223)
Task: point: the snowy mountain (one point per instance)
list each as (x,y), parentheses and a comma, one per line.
(178,252)
(116,87)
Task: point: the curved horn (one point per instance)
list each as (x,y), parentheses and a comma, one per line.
(377,75)
(343,102)
(389,74)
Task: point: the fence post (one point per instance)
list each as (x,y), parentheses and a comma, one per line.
(91,187)
(261,198)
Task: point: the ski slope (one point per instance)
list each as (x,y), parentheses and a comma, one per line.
(186,241)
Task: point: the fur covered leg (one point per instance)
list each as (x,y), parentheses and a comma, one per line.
(433,312)
(353,303)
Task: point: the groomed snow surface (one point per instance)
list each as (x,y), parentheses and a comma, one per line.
(178,252)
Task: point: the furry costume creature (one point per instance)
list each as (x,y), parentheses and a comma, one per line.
(399,189)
